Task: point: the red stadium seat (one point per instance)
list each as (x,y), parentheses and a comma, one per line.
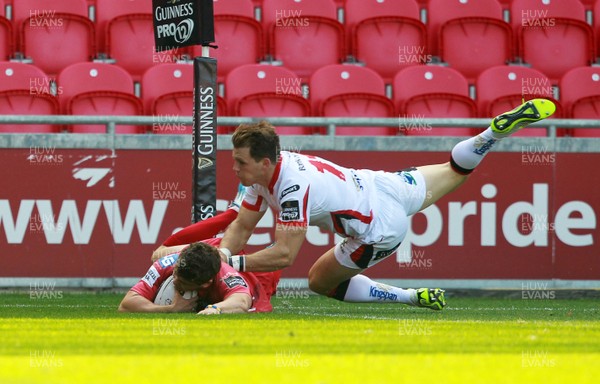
(106,10)
(6,39)
(256,90)
(98,89)
(126,35)
(166,82)
(580,97)
(222,109)
(505,4)
(553,36)
(351,91)
(26,90)
(460,31)
(238,35)
(432,91)
(502,88)
(168,90)
(596,14)
(303,34)
(6,35)
(386,35)
(54,33)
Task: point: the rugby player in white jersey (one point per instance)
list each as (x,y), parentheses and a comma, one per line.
(369,209)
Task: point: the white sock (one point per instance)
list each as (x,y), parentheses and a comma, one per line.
(361,289)
(468,153)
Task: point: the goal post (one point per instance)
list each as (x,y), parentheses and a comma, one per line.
(183,23)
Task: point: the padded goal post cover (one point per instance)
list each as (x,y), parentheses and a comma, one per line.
(204,139)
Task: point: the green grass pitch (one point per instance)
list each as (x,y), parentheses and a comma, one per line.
(70,337)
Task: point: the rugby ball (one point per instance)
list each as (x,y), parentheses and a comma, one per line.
(166,292)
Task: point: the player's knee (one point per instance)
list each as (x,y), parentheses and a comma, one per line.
(337,291)
(317,288)
(315,284)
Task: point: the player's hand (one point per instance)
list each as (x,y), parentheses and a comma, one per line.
(210,311)
(158,253)
(164,250)
(181,304)
(224,257)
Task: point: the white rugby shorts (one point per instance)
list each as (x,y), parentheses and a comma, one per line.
(399,195)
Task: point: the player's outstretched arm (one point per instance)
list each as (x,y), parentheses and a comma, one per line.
(202,230)
(239,231)
(134,302)
(288,241)
(235,303)
(163,251)
(196,232)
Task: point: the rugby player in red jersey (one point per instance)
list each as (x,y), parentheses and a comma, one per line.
(219,287)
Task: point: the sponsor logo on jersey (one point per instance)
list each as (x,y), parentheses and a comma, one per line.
(408,178)
(151,276)
(233,281)
(167,261)
(357,181)
(289,190)
(290,210)
(301,166)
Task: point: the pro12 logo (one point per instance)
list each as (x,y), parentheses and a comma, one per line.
(180,32)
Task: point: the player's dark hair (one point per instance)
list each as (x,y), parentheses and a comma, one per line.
(260,137)
(198,263)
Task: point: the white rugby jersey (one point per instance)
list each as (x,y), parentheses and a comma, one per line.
(308,190)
